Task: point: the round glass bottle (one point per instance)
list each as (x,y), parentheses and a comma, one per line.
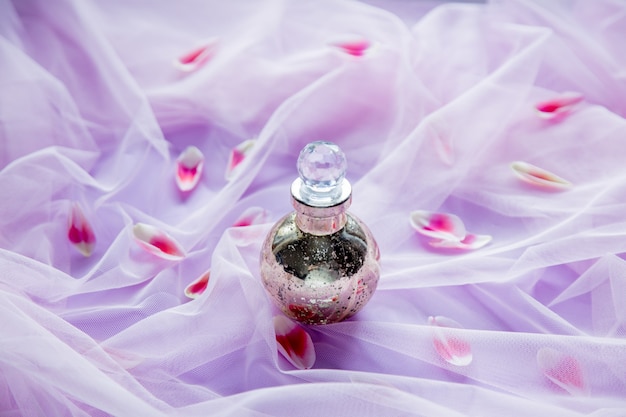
(319,264)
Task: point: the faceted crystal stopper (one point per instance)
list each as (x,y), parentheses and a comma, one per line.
(322,168)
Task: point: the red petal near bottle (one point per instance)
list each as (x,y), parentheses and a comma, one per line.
(442,226)
(237,156)
(294,343)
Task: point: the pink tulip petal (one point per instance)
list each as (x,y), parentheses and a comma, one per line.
(442,226)
(253,215)
(561,369)
(197,287)
(196,57)
(237,156)
(157,242)
(470,242)
(353,45)
(449,345)
(444,149)
(189,166)
(294,343)
(80,232)
(125,359)
(559,106)
(539,176)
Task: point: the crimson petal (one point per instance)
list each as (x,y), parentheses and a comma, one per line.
(198,286)
(157,242)
(80,232)
(189,165)
(196,57)
(253,215)
(237,156)
(442,226)
(355,46)
(294,343)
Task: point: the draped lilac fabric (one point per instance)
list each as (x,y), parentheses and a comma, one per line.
(432,106)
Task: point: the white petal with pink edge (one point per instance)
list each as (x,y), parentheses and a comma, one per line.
(294,343)
(470,242)
(157,242)
(442,226)
(557,107)
(237,155)
(79,231)
(189,165)
(539,177)
(198,286)
(450,345)
(563,370)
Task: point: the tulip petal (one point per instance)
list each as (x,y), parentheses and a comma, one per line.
(253,215)
(561,369)
(294,343)
(125,359)
(237,156)
(449,345)
(157,242)
(442,226)
(79,231)
(196,57)
(445,150)
(189,165)
(559,106)
(353,45)
(198,286)
(470,242)
(539,176)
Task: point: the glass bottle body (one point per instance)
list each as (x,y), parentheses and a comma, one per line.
(317,268)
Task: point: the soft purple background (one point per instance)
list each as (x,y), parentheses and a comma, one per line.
(92,110)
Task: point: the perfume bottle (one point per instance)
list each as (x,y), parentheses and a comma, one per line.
(319,264)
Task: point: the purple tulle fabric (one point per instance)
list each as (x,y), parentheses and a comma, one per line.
(431,101)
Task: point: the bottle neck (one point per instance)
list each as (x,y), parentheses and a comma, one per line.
(321,221)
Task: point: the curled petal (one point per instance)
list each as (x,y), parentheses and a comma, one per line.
(189,166)
(157,242)
(79,231)
(294,343)
(442,226)
(539,176)
(558,106)
(449,345)
(237,156)
(355,46)
(470,242)
(196,57)
(253,215)
(561,369)
(197,287)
